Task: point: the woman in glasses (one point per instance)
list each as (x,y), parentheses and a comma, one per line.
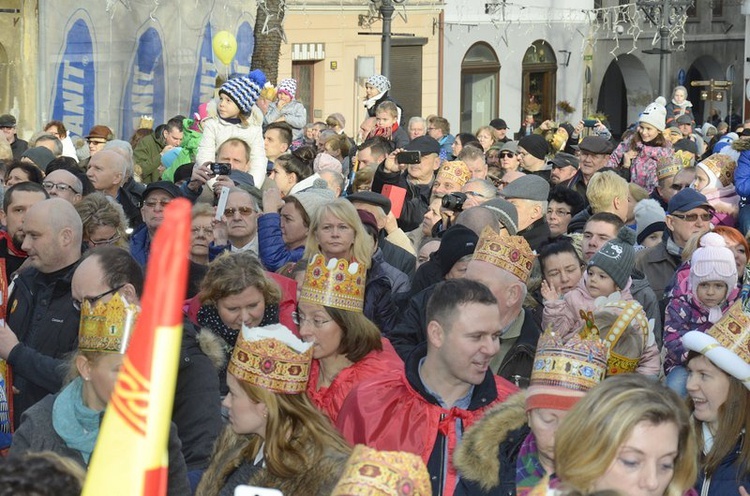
(509,160)
(347,346)
(104,221)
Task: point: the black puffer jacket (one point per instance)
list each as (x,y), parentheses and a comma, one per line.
(379,304)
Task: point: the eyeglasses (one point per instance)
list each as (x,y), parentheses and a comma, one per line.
(154,203)
(93,299)
(96,142)
(207,231)
(229,212)
(679,187)
(559,212)
(507,154)
(49,186)
(103,242)
(693,217)
(430,129)
(300,320)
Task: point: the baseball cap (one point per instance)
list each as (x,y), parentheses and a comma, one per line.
(423,144)
(498,124)
(686,200)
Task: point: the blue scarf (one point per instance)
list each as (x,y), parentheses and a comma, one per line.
(74,422)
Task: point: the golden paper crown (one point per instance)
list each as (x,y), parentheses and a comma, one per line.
(456,171)
(108,326)
(511,253)
(577,364)
(668,166)
(383,473)
(628,313)
(723,167)
(337,284)
(268,92)
(273,358)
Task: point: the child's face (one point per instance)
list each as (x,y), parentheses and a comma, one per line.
(599,283)
(227,108)
(701,179)
(647,132)
(384,119)
(711,293)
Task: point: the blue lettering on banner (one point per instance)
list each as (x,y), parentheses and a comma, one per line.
(245,45)
(145,91)
(74,88)
(205,74)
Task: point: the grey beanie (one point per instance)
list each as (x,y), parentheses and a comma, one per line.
(617,257)
(649,218)
(505,213)
(314,198)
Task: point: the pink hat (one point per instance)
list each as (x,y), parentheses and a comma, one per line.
(288,86)
(713,261)
(324,161)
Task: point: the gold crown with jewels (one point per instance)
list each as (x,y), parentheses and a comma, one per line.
(456,171)
(337,284)
(511,253)
(107,327)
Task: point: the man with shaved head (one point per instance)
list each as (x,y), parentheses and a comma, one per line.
(63,184)
(108,171)
(42,322)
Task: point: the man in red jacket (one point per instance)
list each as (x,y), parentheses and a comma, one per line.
(444,388)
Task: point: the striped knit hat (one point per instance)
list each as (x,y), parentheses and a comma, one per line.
(244,90)
(288,86)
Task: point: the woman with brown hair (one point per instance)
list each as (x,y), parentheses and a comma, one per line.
(275,438)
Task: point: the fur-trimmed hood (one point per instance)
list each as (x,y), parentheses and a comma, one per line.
(213,346)
(477,458)
(741,145)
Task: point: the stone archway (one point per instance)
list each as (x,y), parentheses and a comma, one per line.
(625,91)
(704,68)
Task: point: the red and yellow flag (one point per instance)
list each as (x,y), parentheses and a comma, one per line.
(131,457)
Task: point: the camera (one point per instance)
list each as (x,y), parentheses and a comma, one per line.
(407,158)
(220,168)
(454,201)
(589,122)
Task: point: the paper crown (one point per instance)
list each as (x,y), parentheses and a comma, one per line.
(614,318)
(726,344)
(107,327)
(273,358)
(337,284)
(564,370)
(668,166)
(456,171)
(511,253)
(383,473)
(722,166)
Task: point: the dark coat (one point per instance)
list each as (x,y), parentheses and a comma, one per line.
(147,154)
(428,274)
(380,307)
(18,147)
(140,245)
(518,362)
(658,266)
(41,313)
(579,220)
(131,204)
(36,433)
(487,455)
(537,234)
(417,199)
(397,256)
(12,262)
(387,98)
(726,479)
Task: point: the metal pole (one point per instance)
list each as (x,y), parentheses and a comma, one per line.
(386,10)
(664,60)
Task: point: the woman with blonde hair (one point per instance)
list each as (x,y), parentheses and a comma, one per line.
(275,438)
(337,232)
(486,137)
(628,434)
(104,221)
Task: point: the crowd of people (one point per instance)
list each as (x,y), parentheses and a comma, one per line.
(407,311)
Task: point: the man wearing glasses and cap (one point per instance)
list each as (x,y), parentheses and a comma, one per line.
(8,127)
(593,153)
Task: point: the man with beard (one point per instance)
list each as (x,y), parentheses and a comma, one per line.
(18,199)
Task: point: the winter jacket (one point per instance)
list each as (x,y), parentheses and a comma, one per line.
(397,413)
(658,265)
(537,234)
(486,458)
(306,183)
(643,294)
(726,204)
(686,313)
(374,365)
(147,154)
(579,220)
(742,172)
(372,104)
(675,110)
(380,307)
(36,434)
(42,315)
(216,131)
(518,362)
(396,255)
(411,329)
(417,199)
(273,252)
(399,281)
(294,114)
(643,166)
(726,479)
(231,465)
(140,245)
(130,202)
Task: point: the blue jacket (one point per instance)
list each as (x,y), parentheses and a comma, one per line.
(140,245)
(273,252)
(725,480)
(742,172)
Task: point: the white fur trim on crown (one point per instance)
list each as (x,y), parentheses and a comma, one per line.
(726,360)
(275,331)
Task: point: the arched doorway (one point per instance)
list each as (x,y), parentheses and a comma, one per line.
(539,93)
(5,103)
(480,78)
(704,68)
(625,91)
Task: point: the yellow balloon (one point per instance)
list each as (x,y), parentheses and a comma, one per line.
(225,46)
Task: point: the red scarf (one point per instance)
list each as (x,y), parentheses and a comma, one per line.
(11,247)
(384,132)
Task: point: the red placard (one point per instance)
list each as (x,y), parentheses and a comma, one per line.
(397,195)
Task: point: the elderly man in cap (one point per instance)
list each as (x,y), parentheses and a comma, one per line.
(415,178)
(594,152)
(155,199)
(8,127)
(564,167)
(499,130)
(532,152)
(688,213)
(529,194)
